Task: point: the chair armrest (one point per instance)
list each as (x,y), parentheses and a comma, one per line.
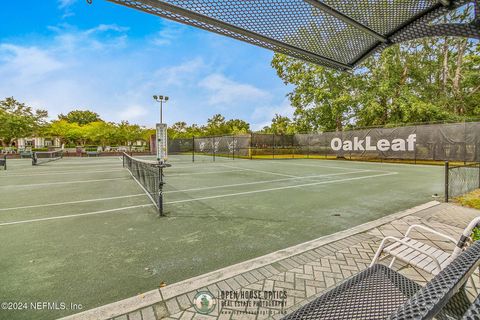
(393,239)
(431,299)
(417,226)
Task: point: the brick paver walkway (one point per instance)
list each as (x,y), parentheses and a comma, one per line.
(303,276)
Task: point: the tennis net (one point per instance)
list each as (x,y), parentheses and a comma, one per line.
(148,175)
(41,157)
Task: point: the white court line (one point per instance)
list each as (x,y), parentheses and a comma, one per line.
(72,202)
(195,199)
(63,182)
(177,191)
(199,173)
(62,172)
(332,167)
(260,171)
(280,188)
(266,181)
(74,215)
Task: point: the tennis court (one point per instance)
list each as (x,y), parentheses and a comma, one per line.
(82,231)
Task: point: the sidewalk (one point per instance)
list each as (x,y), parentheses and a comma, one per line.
(304,272)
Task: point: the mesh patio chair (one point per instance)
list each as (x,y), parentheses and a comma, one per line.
(379,292)
(421,255)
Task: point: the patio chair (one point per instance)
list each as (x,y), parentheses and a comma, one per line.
(421,255)
(379,292)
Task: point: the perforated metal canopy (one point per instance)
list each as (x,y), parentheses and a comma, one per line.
(338,34)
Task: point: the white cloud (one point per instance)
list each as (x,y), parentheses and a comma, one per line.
(262,116)
(225,91)
(186,72)
(170,31)
(106,27)
(26,64)
(62,4)
(134,112)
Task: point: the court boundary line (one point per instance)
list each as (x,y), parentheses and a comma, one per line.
(266,181)
(201,173)
(60,183)
(332,167)
(260,171)
(72,202)
(280,188)
(196,199)
(59,173)
(73,215)
(178,191)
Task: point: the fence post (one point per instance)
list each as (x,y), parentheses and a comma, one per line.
(415,149)
(250,145)
(193,148)
(233,147)
(446,181)
(214,149)
(308,147)
(273,150)
(465,142)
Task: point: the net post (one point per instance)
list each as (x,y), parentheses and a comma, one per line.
(160,192)
(446,180)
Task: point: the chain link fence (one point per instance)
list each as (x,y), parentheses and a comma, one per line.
(458,142)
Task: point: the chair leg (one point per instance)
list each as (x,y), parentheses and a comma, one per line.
(391,263)
(378,253)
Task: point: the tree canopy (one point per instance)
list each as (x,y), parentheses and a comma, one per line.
(81,117)
(216,125)
(18,120)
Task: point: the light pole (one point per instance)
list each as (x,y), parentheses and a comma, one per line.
(161,99)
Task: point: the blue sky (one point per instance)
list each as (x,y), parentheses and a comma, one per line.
(65,54)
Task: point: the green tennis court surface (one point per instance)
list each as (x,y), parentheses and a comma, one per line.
(80,230)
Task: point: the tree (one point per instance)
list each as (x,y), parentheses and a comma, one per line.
(237,126)
(19,121)
(99,132)
(126,133)
(67,132)
(82,117)
(280,125)
(216,125)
